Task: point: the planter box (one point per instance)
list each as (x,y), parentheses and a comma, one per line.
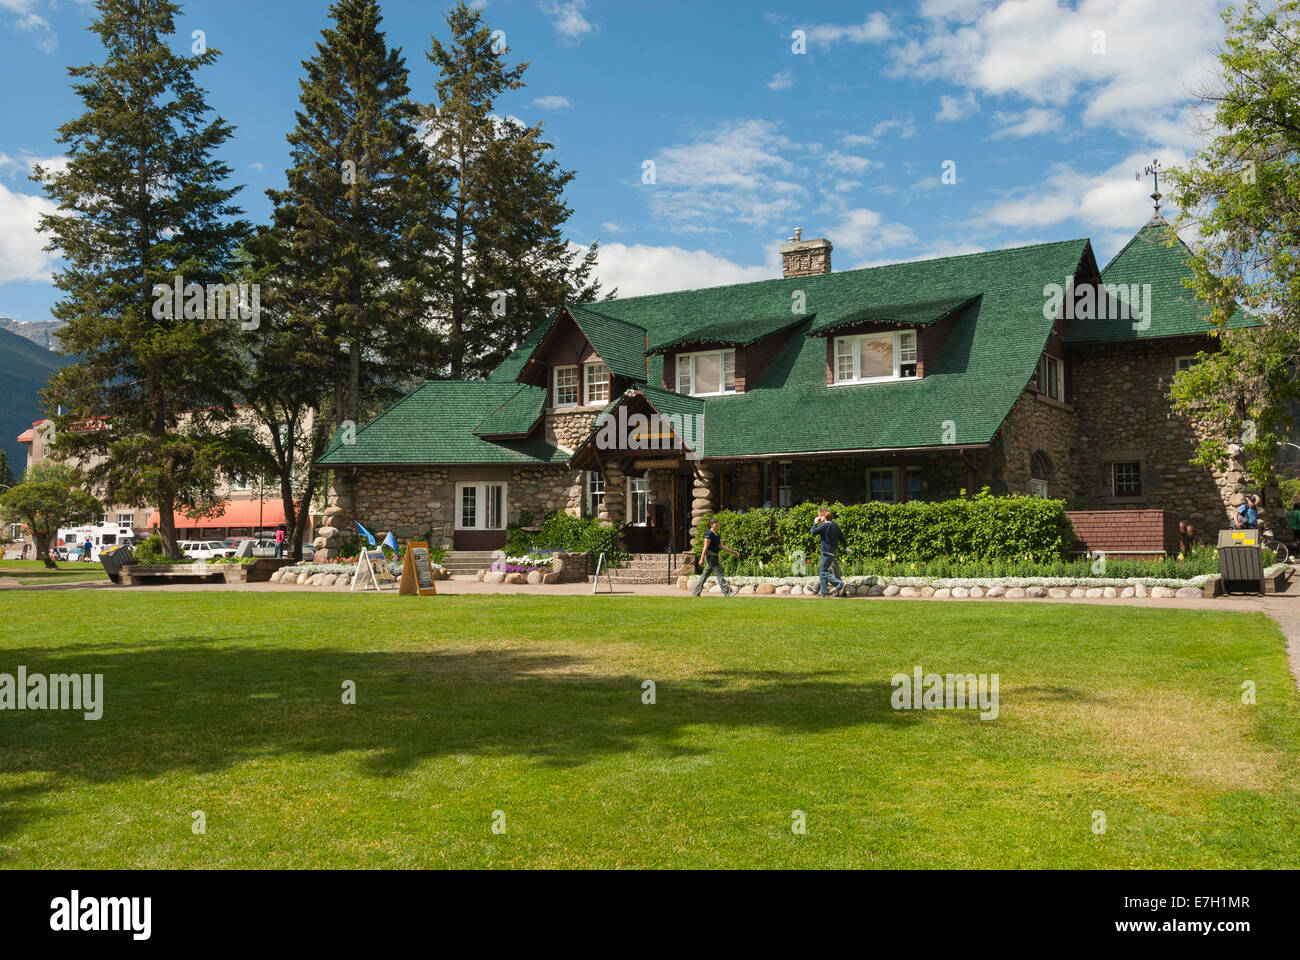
(135,574)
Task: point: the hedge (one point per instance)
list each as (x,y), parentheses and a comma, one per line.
(565,533)
(982,528)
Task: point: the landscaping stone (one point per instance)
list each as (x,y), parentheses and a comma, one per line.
(1037,592)
(1078,593)
(480,575)
(1190,593)
(1126,593)
(927,591)
(784,589)
(534,577)
(997,590)
(943,593)
(277,576)
(747,590)
(875,590)
(494,576)
(1110,593)
(1162,593)
(961,593)
(796,591)
(516,578)
(976,592)
(1015,593)
(765,589)
(683,583)
(1139,589)
(892,590)
(909,592)
(303,577)
(1096,593)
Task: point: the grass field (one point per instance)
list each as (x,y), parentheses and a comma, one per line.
(231,704)
(29,572)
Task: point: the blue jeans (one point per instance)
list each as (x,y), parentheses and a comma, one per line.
(828,560)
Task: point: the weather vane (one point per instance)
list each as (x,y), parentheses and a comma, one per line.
(1152,169)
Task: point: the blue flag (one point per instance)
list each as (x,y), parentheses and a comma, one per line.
(391,541)
(364,532)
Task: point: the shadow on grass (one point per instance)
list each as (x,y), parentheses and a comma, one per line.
(188,705)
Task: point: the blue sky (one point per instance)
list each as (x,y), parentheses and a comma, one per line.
(1046,108)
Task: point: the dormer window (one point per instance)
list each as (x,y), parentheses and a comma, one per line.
(596,388)
(875,357)
(566,386)
(706,374)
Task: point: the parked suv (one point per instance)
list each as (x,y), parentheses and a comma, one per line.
(205,549)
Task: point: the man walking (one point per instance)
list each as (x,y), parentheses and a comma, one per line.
(710,562)
(831,536)
(1248,513)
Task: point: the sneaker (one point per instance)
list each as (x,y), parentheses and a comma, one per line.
(731,592)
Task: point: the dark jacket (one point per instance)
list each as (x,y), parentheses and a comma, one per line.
(831,536)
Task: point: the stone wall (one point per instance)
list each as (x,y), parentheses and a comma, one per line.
(1036,424)
(569,427)
(1121,393)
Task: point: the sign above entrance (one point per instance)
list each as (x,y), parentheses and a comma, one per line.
(655,464)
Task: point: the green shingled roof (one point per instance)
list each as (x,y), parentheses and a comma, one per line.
(517,416)
(908,314)
(1173,309)
(620,344)
(735,333)
(435,423)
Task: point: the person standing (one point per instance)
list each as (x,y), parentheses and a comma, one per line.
(1293,521)
(86,549)
(279,541)
(710,561)
(831,537)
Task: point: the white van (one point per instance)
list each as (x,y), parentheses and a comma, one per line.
(102,536)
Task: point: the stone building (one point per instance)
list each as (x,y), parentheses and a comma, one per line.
(1024,370)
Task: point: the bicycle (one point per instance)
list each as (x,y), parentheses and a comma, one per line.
(1269,542)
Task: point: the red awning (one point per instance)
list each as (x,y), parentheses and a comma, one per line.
(238,513)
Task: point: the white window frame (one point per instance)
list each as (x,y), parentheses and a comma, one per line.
(1044,381)
(480,505)
(722,371)
(593,481)
(893,472)
(125,519)
(638,487)
(855,356)
(785,484)
(603,382)
(1178,362)
(576,385)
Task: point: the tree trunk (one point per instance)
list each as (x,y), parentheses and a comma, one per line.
(42,543)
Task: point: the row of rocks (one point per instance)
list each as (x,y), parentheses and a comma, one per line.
(1138,590)
(533,576)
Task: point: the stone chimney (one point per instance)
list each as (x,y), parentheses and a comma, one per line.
(805,258)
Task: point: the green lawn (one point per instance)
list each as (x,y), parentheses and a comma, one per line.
(231,704)
(28,572)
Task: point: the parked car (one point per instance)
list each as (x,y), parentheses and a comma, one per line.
(205,549)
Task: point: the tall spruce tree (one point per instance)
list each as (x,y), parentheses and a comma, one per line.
(505,263)
(353,227)
(142,201)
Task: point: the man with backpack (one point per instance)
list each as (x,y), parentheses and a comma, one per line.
(831,537)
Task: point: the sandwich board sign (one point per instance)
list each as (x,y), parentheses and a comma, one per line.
(372,568)
(417,571)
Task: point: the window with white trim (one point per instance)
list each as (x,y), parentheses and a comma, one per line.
(480,506)
(1184,363)
(595,493)
(597,384)
(1051,379)
(566,386)
(784,485)
(125,519)
(1126,478)
(882,485)
(706,374)
(874,357)
(638,500)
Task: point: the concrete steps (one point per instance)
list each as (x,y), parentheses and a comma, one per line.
(466,562)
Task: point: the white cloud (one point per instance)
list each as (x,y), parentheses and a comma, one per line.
(872,30)
(568,20)
(28,20)
(955,108)
(848,162)
(21,253)
(906,127)
(781,81)
(612,227)
(857,140)
(738,172)
(1111,200)
(637,269)
(942,248)
(553,102)
(255,166)
(1042,51)
(866,231)
(1032,123)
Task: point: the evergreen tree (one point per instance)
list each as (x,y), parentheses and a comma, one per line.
(353,227)
(142,201)
(1239,194)
(505,263)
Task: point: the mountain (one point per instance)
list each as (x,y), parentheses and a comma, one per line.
(40,333)
(24,369)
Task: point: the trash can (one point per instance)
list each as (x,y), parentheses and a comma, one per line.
(114,561)
(1241,562)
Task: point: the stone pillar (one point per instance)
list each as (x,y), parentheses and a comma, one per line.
(340,512)
(704,497)
(614,509)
